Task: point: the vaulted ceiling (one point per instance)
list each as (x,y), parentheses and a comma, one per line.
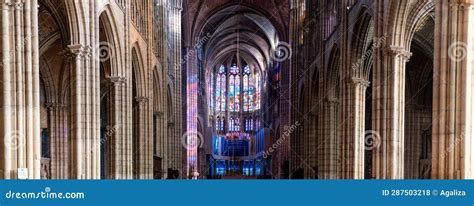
(250,28)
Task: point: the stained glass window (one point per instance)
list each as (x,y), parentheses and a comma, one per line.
(231,124)
(237,124)
(249,124)
(234,89)
(211,93)
(220,123)
(237,93)
(221,89)
(258,94)
(249,89)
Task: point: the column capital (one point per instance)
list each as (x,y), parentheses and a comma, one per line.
(54,106)
(464,4)
(177,5)
(142,99)
(80,50)
(7,4)
(398,52)
(159,113)
(18,5)
(171,76)
(87,52)
(360,82)
(118,80)
(177,8)
(332,100)
(67,55)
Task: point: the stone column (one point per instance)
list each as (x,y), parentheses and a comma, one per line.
(413,135)
(76,124)
(83,138)
(191,111)
(36,83)
(388,117)
(293,148)
(20,129)
(115,137)
(171,146)
(6,109)
(353,128)
(58,135)
(176,75)
(452,150)
(141,151)
(161,141)
(327,147)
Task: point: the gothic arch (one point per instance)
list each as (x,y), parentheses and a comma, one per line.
(397,14)
(66,84)
(138,71)
(169,104)
(332,81)
(419,93)
(48,83)
(403,16)
(112,45)
(361,41)
(204,13)
(58,12)
(157,91)
(77,18)
(419,14)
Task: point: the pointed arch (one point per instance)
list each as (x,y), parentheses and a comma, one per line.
(138,71)
(361,44)
(110,48)
(420,14)
(333,73)
(77,18)
(48,83)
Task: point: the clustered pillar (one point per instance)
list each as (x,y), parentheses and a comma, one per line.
(353,128)
(176,74)
(20,127)
(453,84)
(389,112)
(58,120)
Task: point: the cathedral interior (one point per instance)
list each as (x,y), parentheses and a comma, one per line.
(237,89)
